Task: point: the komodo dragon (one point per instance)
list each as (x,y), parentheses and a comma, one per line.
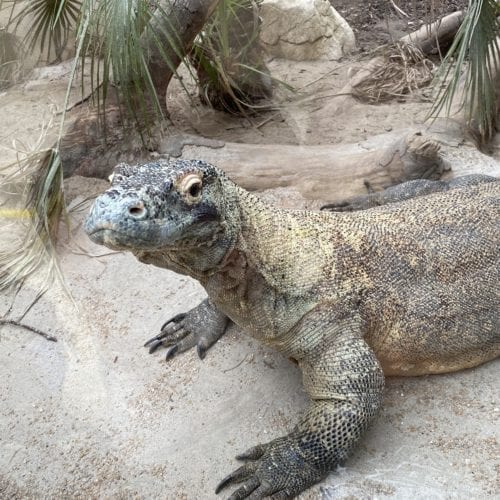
(407,288)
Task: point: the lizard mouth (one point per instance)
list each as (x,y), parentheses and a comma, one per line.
(116,239)
(128,238)
(104,236)
(100,232)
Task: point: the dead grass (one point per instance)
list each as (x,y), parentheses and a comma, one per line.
(402,69)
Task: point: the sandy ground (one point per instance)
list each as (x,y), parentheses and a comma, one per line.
(93,415)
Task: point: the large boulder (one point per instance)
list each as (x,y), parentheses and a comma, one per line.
(304,30)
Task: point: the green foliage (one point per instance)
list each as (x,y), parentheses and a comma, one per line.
(473,58)
(110,42)
(119,38)
(227,57)
(51,23)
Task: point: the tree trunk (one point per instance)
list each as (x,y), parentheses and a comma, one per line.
(436,37)
(186,18)
(322,172)
(318,172)
(234,87)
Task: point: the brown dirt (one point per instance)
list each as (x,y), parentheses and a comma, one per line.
(376,22)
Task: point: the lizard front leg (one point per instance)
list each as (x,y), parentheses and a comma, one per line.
(202,326)
(345,383)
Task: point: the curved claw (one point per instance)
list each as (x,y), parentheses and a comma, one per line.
(150,341)
(153,345)
(154,339)
(201,350)
(171,352)
(240,474)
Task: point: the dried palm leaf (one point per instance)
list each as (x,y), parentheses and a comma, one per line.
(30,215)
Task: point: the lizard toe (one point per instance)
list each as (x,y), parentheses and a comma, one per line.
(237,476)
(183,345)
(246,489)
(175,319)
(167,330)
(253,453)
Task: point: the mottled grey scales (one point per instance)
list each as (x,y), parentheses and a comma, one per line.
(406,288)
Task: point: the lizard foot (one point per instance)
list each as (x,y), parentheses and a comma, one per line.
(276,470)
(349,205)
(202,326)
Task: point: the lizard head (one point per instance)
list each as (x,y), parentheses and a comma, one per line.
(161,206)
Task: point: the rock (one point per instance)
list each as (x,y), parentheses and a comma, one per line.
(43,77)
(304,30)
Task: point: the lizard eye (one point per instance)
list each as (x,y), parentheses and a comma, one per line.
(191,187)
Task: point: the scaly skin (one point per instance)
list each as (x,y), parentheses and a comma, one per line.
(408,288)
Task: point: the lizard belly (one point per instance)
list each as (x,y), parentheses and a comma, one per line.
(438,327)
(416,367)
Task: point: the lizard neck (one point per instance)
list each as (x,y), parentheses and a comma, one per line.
(255,283)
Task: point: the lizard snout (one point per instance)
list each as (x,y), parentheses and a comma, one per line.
(113,213)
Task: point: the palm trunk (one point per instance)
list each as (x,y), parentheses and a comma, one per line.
(186,20)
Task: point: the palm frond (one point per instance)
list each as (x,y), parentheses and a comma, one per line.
(114,34)
(470,68)
(51,23)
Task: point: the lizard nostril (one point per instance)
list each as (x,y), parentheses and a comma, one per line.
(137,209)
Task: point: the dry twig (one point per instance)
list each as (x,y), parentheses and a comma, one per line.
(13,322)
